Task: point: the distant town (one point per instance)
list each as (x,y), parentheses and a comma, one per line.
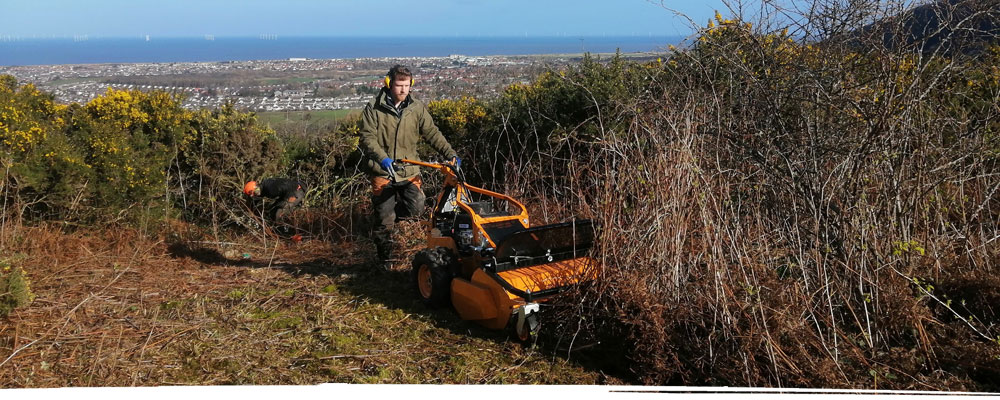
(293,84)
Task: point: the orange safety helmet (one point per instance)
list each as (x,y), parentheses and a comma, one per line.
(250,189)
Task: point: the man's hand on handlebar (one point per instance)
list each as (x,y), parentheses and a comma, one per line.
(389,166)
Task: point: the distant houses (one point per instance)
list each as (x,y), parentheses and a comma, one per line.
(328,87)
(293,93)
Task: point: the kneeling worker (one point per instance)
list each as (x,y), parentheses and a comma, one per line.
(286,193)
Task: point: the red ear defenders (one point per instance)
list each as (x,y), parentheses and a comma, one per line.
(388,81)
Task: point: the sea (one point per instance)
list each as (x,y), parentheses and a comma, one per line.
(144,49)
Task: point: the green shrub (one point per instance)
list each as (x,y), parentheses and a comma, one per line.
(129,154)
(15,288)
(330,165)
(130,139)
(222,150)
(43,167)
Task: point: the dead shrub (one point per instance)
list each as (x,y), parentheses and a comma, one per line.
(777,199)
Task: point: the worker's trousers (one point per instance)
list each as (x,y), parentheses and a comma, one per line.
(391,202)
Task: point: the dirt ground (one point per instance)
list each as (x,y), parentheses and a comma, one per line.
(116,307)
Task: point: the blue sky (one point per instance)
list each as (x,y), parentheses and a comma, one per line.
(127,18)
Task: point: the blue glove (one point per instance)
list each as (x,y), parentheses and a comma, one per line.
(457,161)
(387,165)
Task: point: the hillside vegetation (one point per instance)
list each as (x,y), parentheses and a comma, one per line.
(791,201)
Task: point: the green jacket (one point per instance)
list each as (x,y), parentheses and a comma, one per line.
(388,133)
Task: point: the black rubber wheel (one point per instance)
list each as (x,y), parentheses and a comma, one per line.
(432,275)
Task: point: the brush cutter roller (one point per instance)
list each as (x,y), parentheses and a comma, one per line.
(485,259)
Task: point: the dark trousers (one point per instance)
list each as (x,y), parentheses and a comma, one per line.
(393,201)
(282,207)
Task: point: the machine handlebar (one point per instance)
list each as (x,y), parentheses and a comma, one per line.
(446,167)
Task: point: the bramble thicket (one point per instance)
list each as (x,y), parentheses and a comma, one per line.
(782,202)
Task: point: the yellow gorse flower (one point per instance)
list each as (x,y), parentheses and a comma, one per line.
(119,107)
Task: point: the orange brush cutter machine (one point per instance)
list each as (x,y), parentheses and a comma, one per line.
(485,259)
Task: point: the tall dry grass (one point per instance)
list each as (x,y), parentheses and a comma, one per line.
(800,197)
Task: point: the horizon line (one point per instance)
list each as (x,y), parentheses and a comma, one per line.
(271,36)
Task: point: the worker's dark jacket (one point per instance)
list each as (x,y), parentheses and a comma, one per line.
(287,194)
(390,133)
(281,189)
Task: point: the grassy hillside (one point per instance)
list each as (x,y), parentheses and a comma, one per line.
(118,308)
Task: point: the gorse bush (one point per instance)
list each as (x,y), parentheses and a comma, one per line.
(87,162)
(129,154)
(41,165)
(459,120)
(129,138)
(224,149)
